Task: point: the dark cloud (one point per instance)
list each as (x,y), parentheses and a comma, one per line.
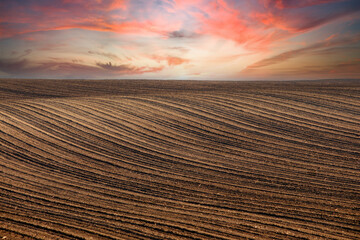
(13,66)
(182,34)
(117,68)
(26,52)
(26,69)
(22,54)
(128,69)
(314,21)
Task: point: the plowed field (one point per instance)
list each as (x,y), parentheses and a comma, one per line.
(179,160)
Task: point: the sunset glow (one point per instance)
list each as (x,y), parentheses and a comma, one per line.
(180,39)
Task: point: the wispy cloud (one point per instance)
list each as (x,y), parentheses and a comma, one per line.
(128,69)
(105,54)
(73,69)
(288,15)
(285,56)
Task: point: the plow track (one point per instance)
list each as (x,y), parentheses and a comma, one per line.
(179,160)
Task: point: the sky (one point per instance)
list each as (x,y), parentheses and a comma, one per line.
(180,39)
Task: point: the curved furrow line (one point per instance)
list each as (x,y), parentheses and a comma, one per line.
(308,98)
(330,97)
(278,115)
(143,224)
(285,114)
(228,133)
(352,103)
(174,212)
(258,223)
(276,104)
(295,230)
(47,232)
(323,116)
(349,222)
(311,109)
(256,131)
(259,122)
(129,226)
(157,221)
(131,131)
(43,226)
(15,234)
(292,129)
(92,176)
(200,127)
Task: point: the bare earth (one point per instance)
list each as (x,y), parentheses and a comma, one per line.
(179,160)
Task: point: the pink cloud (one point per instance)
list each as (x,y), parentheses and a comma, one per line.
(81,14)
(220,20)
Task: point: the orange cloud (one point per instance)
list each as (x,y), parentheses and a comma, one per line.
(331,37)
(171,60)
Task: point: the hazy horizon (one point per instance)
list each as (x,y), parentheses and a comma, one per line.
(180,39)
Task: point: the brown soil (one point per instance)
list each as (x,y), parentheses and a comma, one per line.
(179,160)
